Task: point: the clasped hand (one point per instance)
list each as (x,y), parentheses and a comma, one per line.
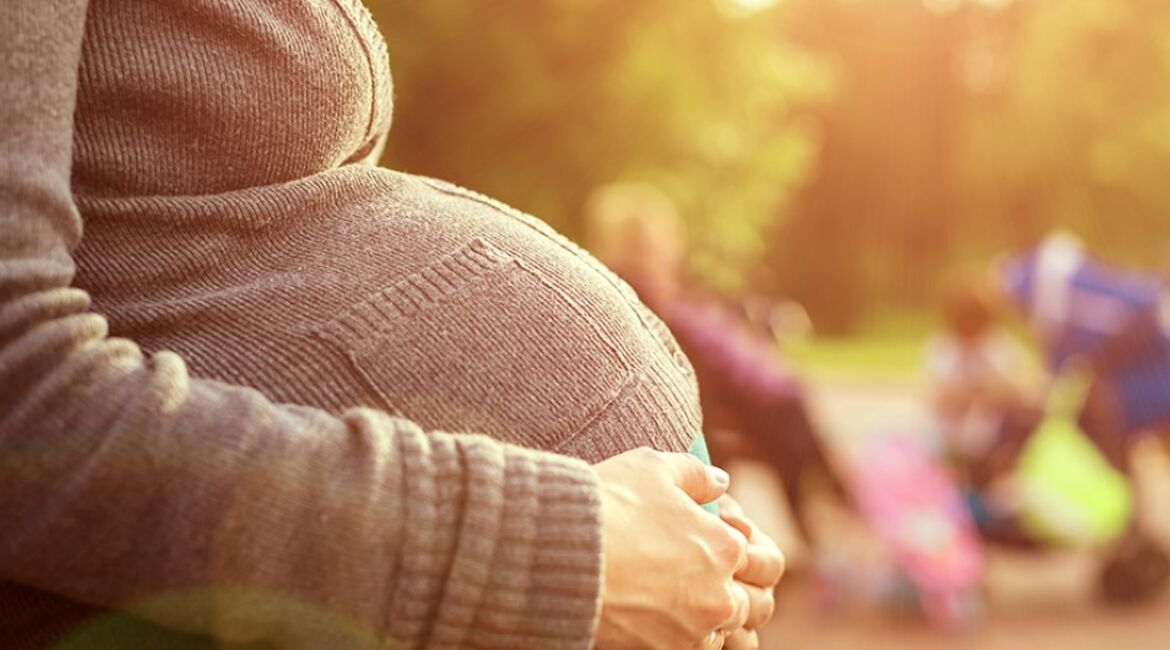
(676,576)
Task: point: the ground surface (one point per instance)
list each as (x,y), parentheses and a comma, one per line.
(1033,602)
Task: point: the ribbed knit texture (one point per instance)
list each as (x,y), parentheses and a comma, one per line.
(256,453)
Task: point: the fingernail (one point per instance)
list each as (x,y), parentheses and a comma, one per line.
(721,478)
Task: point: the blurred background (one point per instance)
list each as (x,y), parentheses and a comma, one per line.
(845,164)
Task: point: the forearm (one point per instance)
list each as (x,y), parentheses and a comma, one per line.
(125,482)
(203,507)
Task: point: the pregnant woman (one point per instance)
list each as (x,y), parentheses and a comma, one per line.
(222,409)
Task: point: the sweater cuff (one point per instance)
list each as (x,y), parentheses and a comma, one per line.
(565,591)
(541,587)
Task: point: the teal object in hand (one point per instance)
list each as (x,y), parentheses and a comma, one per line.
(699,450)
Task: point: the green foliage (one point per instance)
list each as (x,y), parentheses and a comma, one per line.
(853,155)
(961,134)
(1077,131)
(539,103)
(874,225)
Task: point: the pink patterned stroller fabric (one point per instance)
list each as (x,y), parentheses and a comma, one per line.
(915,507)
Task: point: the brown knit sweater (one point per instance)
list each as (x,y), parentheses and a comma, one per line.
(221,408)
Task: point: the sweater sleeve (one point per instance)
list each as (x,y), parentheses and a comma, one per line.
(125,482)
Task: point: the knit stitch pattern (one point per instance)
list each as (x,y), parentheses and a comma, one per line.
(224,409)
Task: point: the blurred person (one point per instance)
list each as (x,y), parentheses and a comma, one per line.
(224,402)
(982,386)
(983,396)
(1111,322)
(746,388)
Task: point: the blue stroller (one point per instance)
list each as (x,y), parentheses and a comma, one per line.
(1115,321)
(1115,324)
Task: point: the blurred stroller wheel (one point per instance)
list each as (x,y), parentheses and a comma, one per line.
(1137,571)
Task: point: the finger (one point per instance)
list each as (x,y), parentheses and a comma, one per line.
(702,483)
(730,507)
(742,639)
(715,640)
(732,513)
(765,563)
(762,605)
(739,595)
(729,545)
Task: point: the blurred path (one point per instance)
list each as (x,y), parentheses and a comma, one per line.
(1035,602)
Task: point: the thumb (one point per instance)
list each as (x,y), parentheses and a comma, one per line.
(702,483)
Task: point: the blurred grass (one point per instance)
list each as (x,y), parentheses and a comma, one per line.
(888,348)
(857,358)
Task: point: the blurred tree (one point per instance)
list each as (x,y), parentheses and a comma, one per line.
(874,224)
(1070,126)
(863,149)
(539,102)
(963,128)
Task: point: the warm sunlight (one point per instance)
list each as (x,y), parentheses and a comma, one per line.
(572,324)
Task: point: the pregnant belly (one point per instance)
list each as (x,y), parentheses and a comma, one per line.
(428,302)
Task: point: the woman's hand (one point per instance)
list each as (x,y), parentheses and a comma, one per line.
(669,564)
(759,575)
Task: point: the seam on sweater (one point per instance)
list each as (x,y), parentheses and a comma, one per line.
(657,329)
(667,338)
(623,392)
(408,298)
(581,311)
(364,31)
(422,289)
(251,208)
(358,320)
(535,224)
(632,375)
